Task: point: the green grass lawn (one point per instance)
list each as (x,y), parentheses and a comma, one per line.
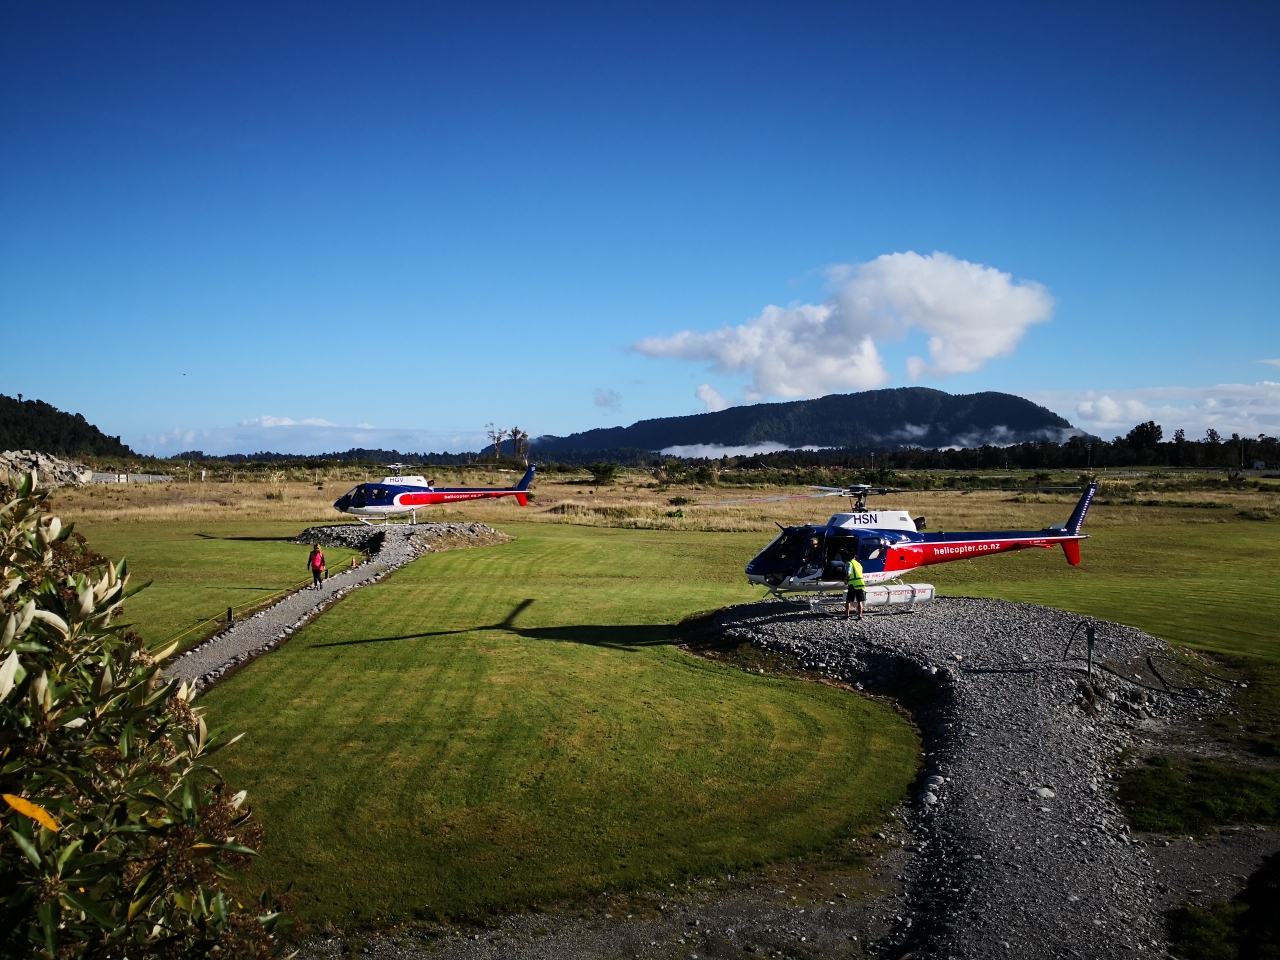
(1213,586)
(503,725)
(510,724)
(201,569)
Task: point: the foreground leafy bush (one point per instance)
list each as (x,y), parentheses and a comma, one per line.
(118,837)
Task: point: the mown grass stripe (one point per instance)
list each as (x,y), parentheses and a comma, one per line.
(486,759)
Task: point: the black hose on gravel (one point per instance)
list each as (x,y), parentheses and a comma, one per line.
(1169,688)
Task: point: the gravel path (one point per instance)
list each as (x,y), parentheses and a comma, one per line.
(1021,851)
(389,548)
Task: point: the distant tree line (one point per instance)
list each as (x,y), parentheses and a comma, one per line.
(36,425)
(1143,446)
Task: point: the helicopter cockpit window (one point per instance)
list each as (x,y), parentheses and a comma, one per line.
(839,552)
(870,548)
(784,555)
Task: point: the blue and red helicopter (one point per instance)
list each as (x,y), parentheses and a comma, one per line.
(810,559)
(398,495)
(814,559)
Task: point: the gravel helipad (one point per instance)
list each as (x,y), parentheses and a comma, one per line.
(1021,849)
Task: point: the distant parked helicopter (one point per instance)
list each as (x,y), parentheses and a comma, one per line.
(888,543)
(398,495)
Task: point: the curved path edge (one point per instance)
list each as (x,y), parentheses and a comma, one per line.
(389,548)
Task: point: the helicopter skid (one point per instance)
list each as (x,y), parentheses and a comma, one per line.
(906,595)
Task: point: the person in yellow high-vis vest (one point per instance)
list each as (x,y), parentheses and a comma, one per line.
(857,589)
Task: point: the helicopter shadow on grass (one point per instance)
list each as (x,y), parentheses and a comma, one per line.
(629,637)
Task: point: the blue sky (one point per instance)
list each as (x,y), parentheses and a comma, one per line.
(305,226)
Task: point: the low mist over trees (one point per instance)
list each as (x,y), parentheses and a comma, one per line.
(1143,446)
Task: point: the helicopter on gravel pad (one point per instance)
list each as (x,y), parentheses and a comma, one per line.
(814,559)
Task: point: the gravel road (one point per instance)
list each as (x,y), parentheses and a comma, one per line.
(389,547)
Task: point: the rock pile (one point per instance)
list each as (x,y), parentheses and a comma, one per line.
(1020,849)
(361,536)
(389,548)
(50,471)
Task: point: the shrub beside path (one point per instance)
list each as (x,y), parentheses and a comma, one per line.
(388,547)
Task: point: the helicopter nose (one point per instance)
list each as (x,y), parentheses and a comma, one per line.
(342,502)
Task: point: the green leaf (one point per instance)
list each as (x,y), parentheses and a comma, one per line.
(142,894)
(91,908)
(231,847)
(26,846)
(30,646)
(67,854)
(220,908)
(105,682)
(132,590)
(48,914)
(8,671)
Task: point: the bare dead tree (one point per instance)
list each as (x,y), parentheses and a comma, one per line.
(519,444)
(496,435)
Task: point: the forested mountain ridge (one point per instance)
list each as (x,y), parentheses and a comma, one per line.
(36,425)
(874,420)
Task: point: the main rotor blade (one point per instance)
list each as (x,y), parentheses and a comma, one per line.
(798,496)
(839,492)
(1018,489)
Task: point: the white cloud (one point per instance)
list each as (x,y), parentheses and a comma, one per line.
(970,312)
(1001,436)
(911,431)
(1244,408)
(609,399)
(1106,410)
(713,399)
(1274,363)
(714,451)
(270,421)
(305,437)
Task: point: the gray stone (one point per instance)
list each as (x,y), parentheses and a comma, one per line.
(999,722)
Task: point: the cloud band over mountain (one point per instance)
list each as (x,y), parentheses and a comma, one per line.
(970,313)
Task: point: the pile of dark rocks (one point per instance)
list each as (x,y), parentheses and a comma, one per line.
(370,537)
